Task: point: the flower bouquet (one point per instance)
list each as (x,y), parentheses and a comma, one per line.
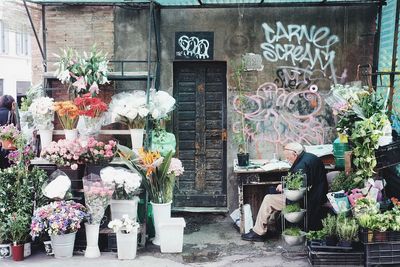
(91,109)
(42,110)
(64,153)
(68,114)
(8,135)
(58,218)
(162,104)
(126,184)
(98,152)
(97,198)
(83,72)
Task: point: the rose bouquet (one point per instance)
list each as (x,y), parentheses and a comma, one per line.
(42,110)
(125,182)
(83,72)
(97,197)
(64,153)
(58,218)
(68,113)
(98,152)
(158,172)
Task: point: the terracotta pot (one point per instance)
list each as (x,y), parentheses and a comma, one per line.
(17,252)
(8,145)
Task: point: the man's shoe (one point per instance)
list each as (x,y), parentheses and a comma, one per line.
(252,236)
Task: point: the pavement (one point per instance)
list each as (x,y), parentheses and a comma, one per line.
(209,240)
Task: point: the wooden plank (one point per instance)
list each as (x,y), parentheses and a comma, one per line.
(186,97)
(187,115)
(187,135)
(211,96)
(213,124)
(188,165)
(214,175)
(186,144)
(213,106)
(214,164)
(187,106)
(213,115)
(213,144)
(187,125)
(200,136)
(214,153)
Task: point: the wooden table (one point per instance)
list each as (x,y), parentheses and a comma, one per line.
(253,175)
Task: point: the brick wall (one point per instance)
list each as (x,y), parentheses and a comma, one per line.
(79,27)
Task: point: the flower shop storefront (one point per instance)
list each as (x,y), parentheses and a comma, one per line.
(243,79)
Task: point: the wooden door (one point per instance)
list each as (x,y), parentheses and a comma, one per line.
(200,129)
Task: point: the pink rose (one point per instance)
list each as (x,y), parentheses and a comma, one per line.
(74,166)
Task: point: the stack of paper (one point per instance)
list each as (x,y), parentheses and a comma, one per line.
(280,165)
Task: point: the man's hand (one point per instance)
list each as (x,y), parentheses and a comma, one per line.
(279,188)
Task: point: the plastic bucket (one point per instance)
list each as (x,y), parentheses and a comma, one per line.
(63,245)
(171,235)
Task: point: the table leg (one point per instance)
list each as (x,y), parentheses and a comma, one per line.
(240,193)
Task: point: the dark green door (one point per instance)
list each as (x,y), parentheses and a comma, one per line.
(200,129)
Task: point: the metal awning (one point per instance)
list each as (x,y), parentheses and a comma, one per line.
(210,3)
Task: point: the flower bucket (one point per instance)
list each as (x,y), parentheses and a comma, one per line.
(17,252)
(127,244)
(71,135)
(5,251)
(171,235)
(137,138)
(46,136)
(161,213)
(92,239)
(8,145)
(121,207)
(63,245)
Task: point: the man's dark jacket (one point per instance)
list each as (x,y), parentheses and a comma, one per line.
(315,171)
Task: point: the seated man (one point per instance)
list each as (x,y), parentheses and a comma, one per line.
(314,169)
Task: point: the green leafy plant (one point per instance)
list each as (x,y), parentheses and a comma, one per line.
(18,225)
(345,182)
(294,181)
(365,206)
(293,231)
(291,208)
(366,221)
(316,235)
(329,225)
(347,229)
(4,232)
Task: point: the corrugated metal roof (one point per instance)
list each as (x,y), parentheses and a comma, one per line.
(200,2)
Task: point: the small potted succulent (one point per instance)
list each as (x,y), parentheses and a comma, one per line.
(294,236)
(293,213)
(294,188)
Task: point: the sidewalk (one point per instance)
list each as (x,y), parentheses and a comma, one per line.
(210,240)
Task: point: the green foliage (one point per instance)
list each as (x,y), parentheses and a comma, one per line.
(345,182)
(294,181)
(329,225)
(347,229)
(292,231)
(366,221)
(18,225)
(316,235)
(291,208)
(20,191)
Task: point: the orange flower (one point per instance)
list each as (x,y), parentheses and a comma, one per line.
(150,160)
(68,113)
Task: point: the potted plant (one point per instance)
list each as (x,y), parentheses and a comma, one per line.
(159,175)
(316,236)
(68,114)
(294,188)
(126,230)
(18,225)
(381,224)
(125,197)
(366,222)
(8,135)
(293,213)
(61,220)
(329,227)
(293,236)
(240,126)
(347,231)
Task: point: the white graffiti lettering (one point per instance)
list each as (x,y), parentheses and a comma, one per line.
(193,46)
(310,45)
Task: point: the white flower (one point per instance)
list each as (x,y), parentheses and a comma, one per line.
(156,114)
(143,112)
(63,76)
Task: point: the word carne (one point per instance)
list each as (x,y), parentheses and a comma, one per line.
(310,45)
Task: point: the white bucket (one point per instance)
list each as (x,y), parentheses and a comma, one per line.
(161,213)
(121,207)
(71,135)
(63,245)
(137,138)
(127,244)
(171,235)
(46,136)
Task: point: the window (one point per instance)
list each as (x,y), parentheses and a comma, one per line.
(22,87)
(23,42)
(3,38)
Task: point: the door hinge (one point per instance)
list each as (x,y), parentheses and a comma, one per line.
(224,135)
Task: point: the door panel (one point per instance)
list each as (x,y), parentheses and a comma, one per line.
(199,125)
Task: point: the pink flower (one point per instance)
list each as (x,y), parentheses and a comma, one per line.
(74,166)
(80,83)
